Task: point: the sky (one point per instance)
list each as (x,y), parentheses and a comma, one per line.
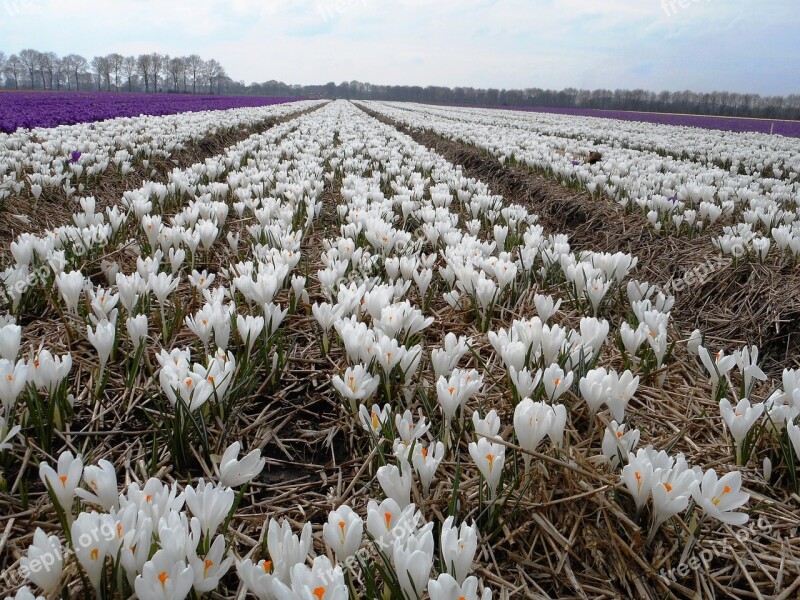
(747,46)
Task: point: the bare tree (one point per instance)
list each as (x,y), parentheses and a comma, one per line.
(222,77)
(213,71)
(66,68)
(2,61)
(115,66)
(177,72)
(49,63)
(195,65)
(97,70)
(102,70)
(59,71)
(13,69)
(157,61)
(77,67)
(129,68)
(30,63)
(44,67)
(166,76)
(145,65)
(185,74)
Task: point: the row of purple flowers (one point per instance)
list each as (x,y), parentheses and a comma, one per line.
(737,124)
(49,109)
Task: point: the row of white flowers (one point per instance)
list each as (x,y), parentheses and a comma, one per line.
(684,180)
(56,163)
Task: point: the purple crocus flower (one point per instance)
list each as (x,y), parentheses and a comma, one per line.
(76,156)
(48,109)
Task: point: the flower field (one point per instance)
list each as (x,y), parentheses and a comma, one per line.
(327,350)
(736,124)
(50,109)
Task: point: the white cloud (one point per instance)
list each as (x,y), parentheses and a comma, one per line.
(499,43)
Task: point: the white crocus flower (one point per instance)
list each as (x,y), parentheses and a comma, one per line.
(233,472)
(489,457)
(740,419)
(343,532)
(719,498)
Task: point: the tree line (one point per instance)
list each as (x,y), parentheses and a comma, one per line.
(713,103)
(154,72)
